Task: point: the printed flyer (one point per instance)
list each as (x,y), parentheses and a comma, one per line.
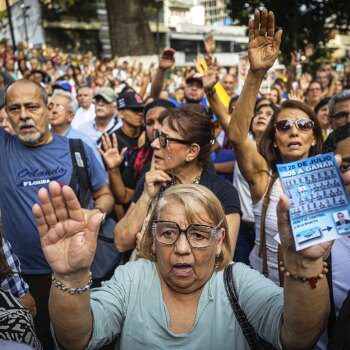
(320,204)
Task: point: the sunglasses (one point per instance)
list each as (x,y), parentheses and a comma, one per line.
(164,139)
(303,125)
(341,115)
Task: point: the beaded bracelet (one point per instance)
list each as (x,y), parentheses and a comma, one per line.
(69,290)
(312,280)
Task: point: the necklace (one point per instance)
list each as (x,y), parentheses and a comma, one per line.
(194,181)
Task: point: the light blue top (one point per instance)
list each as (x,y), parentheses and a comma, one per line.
(130,305)
(90,128)
(72,133)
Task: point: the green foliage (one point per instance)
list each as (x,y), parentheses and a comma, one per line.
(302,21)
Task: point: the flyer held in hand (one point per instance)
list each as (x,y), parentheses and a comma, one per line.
(320,204)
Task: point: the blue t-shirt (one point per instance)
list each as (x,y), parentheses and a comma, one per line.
(23,171)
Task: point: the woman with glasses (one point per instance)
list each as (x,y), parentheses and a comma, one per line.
(178,297)
(181,154)
(292,133)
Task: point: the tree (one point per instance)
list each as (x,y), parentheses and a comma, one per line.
(129,30)
(303,21)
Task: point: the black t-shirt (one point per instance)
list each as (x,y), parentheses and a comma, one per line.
(224,190)
(125,141)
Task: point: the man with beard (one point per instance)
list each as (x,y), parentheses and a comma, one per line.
(106,120)
(194,90)
(28,161)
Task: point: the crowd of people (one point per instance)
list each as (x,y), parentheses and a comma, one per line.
(139,207)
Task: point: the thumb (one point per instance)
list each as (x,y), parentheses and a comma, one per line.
(93,227)
(122,153)
(283,221)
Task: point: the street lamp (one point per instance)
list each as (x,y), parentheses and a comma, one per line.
(8,9)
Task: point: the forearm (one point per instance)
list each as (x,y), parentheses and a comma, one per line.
(117,185)
(225,168)
(71,315)
(104,203)
(127,228)
(244,110)
(143,89)
(157,83)
(220,111)
(28,302)
(305,309)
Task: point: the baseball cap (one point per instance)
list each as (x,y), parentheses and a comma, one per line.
(130,100)
(63,85)
(107,94)
(195,78)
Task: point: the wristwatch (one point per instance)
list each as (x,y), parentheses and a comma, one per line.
(210,91)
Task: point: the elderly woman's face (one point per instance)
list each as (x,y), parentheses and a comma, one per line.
(294,143)
(183,268)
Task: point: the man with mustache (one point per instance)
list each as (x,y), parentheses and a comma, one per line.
(106,120)
(30,160)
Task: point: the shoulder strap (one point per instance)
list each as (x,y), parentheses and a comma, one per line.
(80,175)
(249,333)
(266,202)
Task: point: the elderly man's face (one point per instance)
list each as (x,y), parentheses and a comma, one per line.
(60,113)
(28,113)
(183,268)
(104,110)
(85,97)
(341,115)
(228,83)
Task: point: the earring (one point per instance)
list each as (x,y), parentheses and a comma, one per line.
(169,156)
(187,161)
(274,145)
(313,143)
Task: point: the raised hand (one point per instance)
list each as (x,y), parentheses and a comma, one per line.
(167,59)
(68,242)
(111,155)
(211,74)
(264,43)
(209,44)
(296,95)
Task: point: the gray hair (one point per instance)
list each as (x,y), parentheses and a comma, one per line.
(340,97)
(86,88)
(73,103)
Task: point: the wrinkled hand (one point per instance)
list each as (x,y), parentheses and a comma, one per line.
(111,155)
(296,95)
(154,180)
(167,59)
(264,43)
(68,242)
(209,44)
(211,74)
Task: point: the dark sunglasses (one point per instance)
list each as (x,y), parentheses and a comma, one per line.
(164,138)
(303,125)
(341,115)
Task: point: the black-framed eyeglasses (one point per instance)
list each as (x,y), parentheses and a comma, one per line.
(164,139)
(198,236)
(341,115)
(303,125)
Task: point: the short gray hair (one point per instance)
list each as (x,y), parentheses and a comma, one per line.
(340,97)
(73,103)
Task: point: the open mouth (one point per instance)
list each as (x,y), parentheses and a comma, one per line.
(294,145)
(27,128)
(182,270)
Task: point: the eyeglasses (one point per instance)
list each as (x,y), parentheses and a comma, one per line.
(58,107)
(303,125)
(341,115)
(198,236)
(164,139)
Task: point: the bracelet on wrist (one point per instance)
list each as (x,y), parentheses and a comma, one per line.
(312,280)
(80,290)
(210,91)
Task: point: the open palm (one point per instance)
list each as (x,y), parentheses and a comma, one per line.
(264,43)
(111,155)
(68,242)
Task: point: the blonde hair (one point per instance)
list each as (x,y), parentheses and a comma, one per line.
(194,198)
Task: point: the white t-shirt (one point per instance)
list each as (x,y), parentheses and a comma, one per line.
(83,116)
